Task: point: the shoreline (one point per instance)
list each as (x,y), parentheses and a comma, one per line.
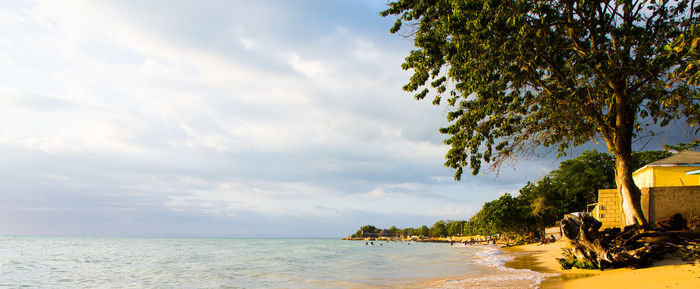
(668,273)
(492,274)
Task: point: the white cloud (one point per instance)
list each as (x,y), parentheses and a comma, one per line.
(314,69)
(187,113)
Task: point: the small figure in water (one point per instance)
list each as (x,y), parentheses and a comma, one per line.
(366,243)
(372,243)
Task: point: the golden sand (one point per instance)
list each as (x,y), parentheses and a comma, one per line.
(669,273)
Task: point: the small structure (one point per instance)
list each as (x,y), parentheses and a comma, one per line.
(554,231)
(668,186)
(385,233)
(669,172)
(607,211)
(369,234)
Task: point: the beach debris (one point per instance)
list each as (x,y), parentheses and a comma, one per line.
(634,246)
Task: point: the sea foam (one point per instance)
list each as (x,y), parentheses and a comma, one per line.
(500,277)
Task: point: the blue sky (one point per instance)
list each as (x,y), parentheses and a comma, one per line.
(219,118)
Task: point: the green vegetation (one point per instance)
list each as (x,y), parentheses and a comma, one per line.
(523,74)
(685,49)
(571,263)
(366,229)
(569,188)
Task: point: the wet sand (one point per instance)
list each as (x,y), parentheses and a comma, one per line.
(491,275)
(669,273)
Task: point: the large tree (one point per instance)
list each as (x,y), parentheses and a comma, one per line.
(523,74)
(505,215)
(439,229)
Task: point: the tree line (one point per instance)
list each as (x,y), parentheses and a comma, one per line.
(569,188)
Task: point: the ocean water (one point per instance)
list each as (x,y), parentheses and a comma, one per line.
(85,262)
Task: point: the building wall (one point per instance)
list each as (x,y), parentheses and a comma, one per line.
(555,231)
(666,177)
(644,178)
(657,203)
(664,202)
(608,209)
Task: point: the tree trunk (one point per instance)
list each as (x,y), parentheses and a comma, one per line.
(629,194)
(619,141)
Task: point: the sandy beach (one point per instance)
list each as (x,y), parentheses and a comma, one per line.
(668,273)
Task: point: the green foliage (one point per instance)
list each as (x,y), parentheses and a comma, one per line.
(544,200)
(576,263)
(393,230)
(640,159)
(439,229)
(684,48)
(579,179)
(423,231)
(521,74)
(591,170)
(366,229)
(683,146)
(504,215)
(455,228)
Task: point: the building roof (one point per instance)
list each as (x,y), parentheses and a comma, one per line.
(684,158)
(368,234)
(681,159)
(384,232)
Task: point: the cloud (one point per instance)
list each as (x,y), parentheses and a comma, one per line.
(178,118)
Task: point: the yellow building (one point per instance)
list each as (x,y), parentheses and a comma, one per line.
(668,186)
(669,172)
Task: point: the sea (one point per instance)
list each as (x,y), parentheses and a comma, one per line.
(113,262)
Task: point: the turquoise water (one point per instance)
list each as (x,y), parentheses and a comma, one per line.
(79,262)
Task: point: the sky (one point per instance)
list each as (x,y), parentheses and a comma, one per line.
(220,119)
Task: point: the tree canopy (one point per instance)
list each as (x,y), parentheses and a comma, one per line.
(366,229)
(439,229)
(685,48)
(523,74)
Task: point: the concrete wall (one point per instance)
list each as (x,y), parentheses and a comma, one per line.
(663,202)
(608,209)
(556,231)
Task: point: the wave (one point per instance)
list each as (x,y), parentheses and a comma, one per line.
(500,277)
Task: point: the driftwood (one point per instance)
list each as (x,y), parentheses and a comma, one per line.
(635,246)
